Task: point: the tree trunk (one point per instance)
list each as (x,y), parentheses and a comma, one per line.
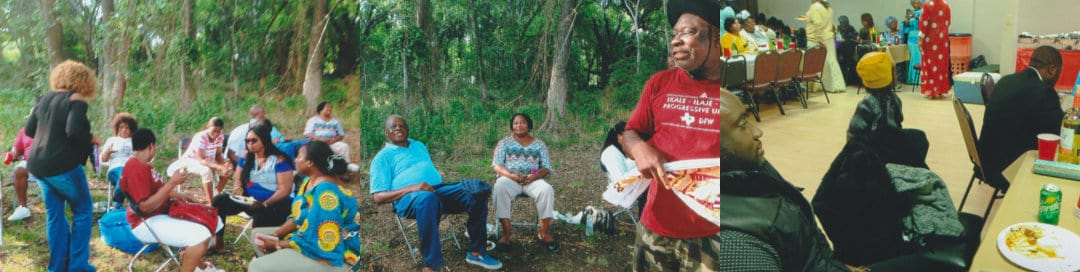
(429,63)
(187,90)
(54,33)
(479,50)
(107,57)
(233,52)
(313,76)
(556,98)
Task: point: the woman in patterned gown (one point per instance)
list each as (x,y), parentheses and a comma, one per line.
(935,21)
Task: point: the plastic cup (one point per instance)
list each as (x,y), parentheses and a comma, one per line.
(1048,144)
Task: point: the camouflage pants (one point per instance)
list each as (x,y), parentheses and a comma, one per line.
(657,253)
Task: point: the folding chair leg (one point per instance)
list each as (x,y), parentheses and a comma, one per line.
(990,206)
(966,192)
(779,102)
(754,107)
(822,83)
(406,237)
(800,93)
(244,232)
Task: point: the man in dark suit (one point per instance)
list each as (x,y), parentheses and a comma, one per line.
(1024,104)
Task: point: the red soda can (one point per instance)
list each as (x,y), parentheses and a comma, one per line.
(727,52)
(8,157)
(791,45)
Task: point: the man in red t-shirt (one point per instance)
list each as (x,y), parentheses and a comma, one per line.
(680,108)
(152,194)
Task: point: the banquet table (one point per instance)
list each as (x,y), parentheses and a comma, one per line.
(1021,204)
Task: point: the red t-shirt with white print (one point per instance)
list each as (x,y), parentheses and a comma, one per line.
(683,115)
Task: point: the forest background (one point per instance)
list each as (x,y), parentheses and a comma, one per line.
(456,69)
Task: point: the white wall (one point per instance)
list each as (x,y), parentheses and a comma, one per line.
(994,24)
(1049,16)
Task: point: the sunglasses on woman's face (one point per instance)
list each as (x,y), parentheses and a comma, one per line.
(251,140)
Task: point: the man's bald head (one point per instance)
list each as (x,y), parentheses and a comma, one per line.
(1047,60)
(257,112)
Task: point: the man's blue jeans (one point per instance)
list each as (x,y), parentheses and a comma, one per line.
(427,207)
(69,245)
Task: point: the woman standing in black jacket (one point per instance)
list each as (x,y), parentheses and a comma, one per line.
(62,143)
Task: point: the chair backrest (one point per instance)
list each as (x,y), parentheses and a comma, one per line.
(184,143)
(967,129)
(765,69)
(734,72)
(723,76)
(789,65)
(986,85)
(813,62)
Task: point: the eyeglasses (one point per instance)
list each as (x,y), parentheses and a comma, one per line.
(251,140)
(686,32)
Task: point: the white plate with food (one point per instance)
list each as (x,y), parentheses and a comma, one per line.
(1040,247)
(243,200)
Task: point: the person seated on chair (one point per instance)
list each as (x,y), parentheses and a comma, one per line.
(403,174)
(618,164)
(19,150)
(205,157)
(857,190)
(878,116)
(845,52)
(117,150)
(521,162)
(868,33)
(236,148)
(151,195)
(1024,104)
(265,174)
(325,128)
(733,41)
(328,205)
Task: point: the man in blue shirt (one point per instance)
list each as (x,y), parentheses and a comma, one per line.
(402,173)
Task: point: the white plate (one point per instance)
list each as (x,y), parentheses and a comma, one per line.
(193,167)
(1069,251)
(244,200)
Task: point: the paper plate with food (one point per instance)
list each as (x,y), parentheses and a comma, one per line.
(1040,247)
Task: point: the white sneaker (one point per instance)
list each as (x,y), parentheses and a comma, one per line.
(354,167)
(20,213)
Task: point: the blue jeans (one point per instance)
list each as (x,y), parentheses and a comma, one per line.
(427,207)
(114,179)
(69,245)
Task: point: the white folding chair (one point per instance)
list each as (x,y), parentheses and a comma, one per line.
(246,229)
(413,250)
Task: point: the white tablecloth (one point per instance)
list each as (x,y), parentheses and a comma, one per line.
(749,64)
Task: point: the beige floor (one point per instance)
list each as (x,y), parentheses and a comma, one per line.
(803,143)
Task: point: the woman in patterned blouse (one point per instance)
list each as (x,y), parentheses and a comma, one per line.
(522,162)
(322,232)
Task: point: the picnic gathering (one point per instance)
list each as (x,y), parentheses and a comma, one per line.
(880,181)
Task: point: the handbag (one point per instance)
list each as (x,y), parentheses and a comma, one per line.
(198,213)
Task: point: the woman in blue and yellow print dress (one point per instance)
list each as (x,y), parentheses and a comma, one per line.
(322,232)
